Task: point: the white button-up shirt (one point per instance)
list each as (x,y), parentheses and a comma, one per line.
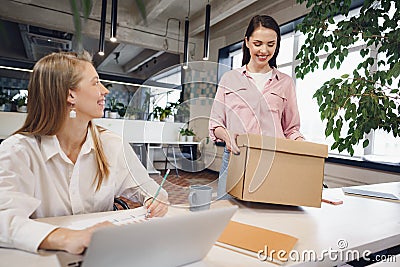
(37,180)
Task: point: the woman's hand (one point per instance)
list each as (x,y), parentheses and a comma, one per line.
(158,208)
(72,241)
(229,138)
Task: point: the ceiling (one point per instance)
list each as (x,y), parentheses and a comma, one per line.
(30,29)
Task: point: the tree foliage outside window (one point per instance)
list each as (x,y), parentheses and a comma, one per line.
(368,98)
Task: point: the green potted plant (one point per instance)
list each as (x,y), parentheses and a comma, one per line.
(182,134)
(162,113)
(189,135)
(116,108)
(121,109)
(21,102)
(186,134)
(112,105)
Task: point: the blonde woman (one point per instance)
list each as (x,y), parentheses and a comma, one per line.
(60,163)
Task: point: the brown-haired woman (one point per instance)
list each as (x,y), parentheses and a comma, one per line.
(256,98)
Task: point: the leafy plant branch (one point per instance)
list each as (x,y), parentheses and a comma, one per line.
(85,7)
(369,99)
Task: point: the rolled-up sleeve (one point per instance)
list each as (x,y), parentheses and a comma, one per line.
(291,116)
(17,184)
(136,185)
(218,110)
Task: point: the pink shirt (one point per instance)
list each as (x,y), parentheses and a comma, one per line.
(241,108)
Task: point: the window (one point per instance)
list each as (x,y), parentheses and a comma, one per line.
(163,88)
(311,125)
(385,144)
(287,45)
(382,143)
(236,59)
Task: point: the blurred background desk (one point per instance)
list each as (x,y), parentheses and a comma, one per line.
(146,150)
(147,136)
(144,136)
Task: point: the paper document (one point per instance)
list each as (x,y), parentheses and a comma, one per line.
(119,218)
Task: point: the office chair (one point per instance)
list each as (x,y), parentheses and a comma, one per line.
(141,146)
(122,203)
(180,154)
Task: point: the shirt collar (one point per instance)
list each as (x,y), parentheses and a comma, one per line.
(275,73)
(50,146)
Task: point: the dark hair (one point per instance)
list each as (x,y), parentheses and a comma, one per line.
(256,22)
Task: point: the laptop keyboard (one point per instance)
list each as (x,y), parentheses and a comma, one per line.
(128,220)
(117,218)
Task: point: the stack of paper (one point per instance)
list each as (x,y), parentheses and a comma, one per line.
(117,218)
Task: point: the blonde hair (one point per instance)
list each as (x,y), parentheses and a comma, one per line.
(48,90)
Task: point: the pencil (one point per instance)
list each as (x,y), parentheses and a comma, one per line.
(158,190)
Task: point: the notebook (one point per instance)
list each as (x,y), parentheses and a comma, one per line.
(249,240)
(168,241)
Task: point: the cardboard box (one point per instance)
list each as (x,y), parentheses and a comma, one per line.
(280,171)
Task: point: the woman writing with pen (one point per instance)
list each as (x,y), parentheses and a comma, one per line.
(60,163)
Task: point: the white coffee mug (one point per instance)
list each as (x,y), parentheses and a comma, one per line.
(200,197)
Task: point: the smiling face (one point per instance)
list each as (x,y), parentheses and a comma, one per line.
(262,45)
(89,96)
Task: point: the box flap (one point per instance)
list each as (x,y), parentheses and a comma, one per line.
(282,145)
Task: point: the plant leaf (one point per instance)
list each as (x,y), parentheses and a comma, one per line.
(77,21)
(142,9)
(87,8)
(365,143)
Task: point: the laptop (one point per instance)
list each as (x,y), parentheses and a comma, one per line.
(168,241)
(370,193)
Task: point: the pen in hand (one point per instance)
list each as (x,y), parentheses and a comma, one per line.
(157,192)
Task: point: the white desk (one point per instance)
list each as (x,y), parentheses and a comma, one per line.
(174,145)
(366,224)
(10,122)
(151,145)
(152,134)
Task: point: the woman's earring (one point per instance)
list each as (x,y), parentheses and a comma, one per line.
(72,113)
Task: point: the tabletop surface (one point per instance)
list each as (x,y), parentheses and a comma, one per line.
(359,224)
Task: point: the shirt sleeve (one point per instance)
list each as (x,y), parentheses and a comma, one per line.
(17,202)
(290,117)
(137,185)
(218,110)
